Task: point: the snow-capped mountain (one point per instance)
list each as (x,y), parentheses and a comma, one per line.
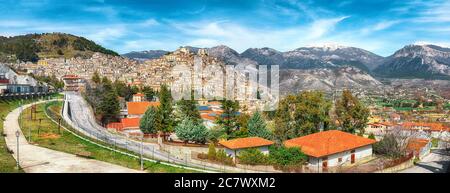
(417,61)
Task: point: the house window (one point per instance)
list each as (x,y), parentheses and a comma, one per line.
(340,160)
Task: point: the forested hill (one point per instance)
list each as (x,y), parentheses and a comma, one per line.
(32,47)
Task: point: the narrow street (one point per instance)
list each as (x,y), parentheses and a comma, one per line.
(435,162)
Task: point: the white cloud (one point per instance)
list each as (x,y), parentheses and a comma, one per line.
(322,26)
(150,22)
(240,37)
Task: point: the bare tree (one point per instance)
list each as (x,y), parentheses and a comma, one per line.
(395,142)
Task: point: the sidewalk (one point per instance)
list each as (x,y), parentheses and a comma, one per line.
(34,159)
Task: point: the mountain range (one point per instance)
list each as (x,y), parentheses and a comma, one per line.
(320,67)
(412,61)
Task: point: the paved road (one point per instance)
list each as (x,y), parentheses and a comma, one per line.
(437,161)
(82,117)
(34,159)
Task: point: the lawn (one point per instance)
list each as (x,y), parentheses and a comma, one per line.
(7,162)
(46,134)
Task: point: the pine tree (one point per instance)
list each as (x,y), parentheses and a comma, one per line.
(149,122)
(188,108)
(188,130)
(109,107)
(165,110)
(257,127)
(229,117)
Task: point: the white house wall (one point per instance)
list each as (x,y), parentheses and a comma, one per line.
(230,152)
(333,160)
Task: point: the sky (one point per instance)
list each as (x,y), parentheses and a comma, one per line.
(379,26)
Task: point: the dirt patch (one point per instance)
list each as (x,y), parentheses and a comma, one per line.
(49,136)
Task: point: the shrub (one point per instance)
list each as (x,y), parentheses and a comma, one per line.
(212,151)
(371,136)
(202,156)
(284,156)
(222,157)
(253,157)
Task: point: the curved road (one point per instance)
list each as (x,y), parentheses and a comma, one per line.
(82,118)
(437,161)
(35,159)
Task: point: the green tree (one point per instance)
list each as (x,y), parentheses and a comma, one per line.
(188,130)
(351,114)
(188,108)
(165,110)
(228,120)
(96,78)
(284,120)
(301,114)
(311,112)
(212,151)
(257,127)
(148,92)
(149,121)
(109,107)
(120,88)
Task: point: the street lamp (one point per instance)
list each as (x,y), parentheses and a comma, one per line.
(142,159)
(17,137)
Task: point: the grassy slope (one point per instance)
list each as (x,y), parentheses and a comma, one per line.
(50,138)
(7,162)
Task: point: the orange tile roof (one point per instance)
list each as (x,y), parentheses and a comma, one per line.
(247,142)
(428,126)
(208,117)
(328,143)
(214,103)
(115,125)
(130,122)
(139,108)
(416,145)
(139,94)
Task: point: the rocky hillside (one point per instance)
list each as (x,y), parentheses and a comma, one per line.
(31,47)
(325,79)
(417,61)
(145,55)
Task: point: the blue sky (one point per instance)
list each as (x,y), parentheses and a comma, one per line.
(380,26)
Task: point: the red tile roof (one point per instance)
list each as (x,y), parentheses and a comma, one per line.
(70,76)
(416,145)
(115,125)
(139,95)
(328,143)
(208,117)
(425,126)
(247,142)
(139,108)
(130,122)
